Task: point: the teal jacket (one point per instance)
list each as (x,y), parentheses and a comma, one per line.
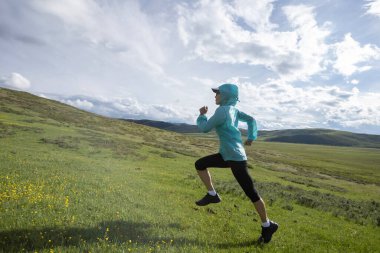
(225,121)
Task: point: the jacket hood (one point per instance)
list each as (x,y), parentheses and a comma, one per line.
(229,94)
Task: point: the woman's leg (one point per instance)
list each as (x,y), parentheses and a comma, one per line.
(268,228)
(260,208)
(202,164)
(240,171)
(205,176)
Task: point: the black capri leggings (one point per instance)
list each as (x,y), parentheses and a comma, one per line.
(238,168)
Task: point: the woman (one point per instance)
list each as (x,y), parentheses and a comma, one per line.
(231,152)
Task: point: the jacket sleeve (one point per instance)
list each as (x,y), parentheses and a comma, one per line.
(217,119)
(252,126)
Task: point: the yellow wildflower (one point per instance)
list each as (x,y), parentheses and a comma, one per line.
(67,201)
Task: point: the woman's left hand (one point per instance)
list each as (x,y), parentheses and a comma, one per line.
(248,142)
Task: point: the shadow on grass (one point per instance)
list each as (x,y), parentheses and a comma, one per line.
(114,232)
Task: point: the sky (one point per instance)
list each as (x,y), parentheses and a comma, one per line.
(298,64)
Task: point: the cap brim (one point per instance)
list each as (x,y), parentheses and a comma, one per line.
(216,90)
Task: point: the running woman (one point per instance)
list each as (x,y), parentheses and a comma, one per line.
(231,152)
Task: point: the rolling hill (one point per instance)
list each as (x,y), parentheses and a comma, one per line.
(322,137)
(174,127)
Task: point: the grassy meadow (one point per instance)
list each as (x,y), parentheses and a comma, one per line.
(71,181)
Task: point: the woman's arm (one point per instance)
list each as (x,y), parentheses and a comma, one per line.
(206,125)
(252,126)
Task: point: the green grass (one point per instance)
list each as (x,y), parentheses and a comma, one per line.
(103,185)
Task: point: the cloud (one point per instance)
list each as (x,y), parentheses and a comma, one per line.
(16,81)
(243,33)
(119,28)
(205,81)
(310,49)
(355,81)
(359,110)
(82,104)
(126,108)
(7,33)
(256,16)
(350,56)
(15,32)
(219,32)
(373,7)
(277,104)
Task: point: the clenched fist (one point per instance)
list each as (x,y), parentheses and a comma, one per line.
(203,110)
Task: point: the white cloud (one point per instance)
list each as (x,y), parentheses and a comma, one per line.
(205,81)
(277,104)
(373,7)
(82,104)
(119,28)
(43,96)
(355,81)
(310,50)
(242,33)
(16,81)
(350,54)
(360,109)
(255,15)
(117,107)
(79,13)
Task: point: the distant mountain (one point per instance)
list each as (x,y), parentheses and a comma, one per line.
(305,136)
(175,127)
(323,137)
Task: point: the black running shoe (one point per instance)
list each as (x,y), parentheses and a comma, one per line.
(266,233)
(208,199)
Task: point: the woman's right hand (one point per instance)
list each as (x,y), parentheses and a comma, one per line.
(203,110)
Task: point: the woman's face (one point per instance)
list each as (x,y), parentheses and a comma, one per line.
(217,98)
